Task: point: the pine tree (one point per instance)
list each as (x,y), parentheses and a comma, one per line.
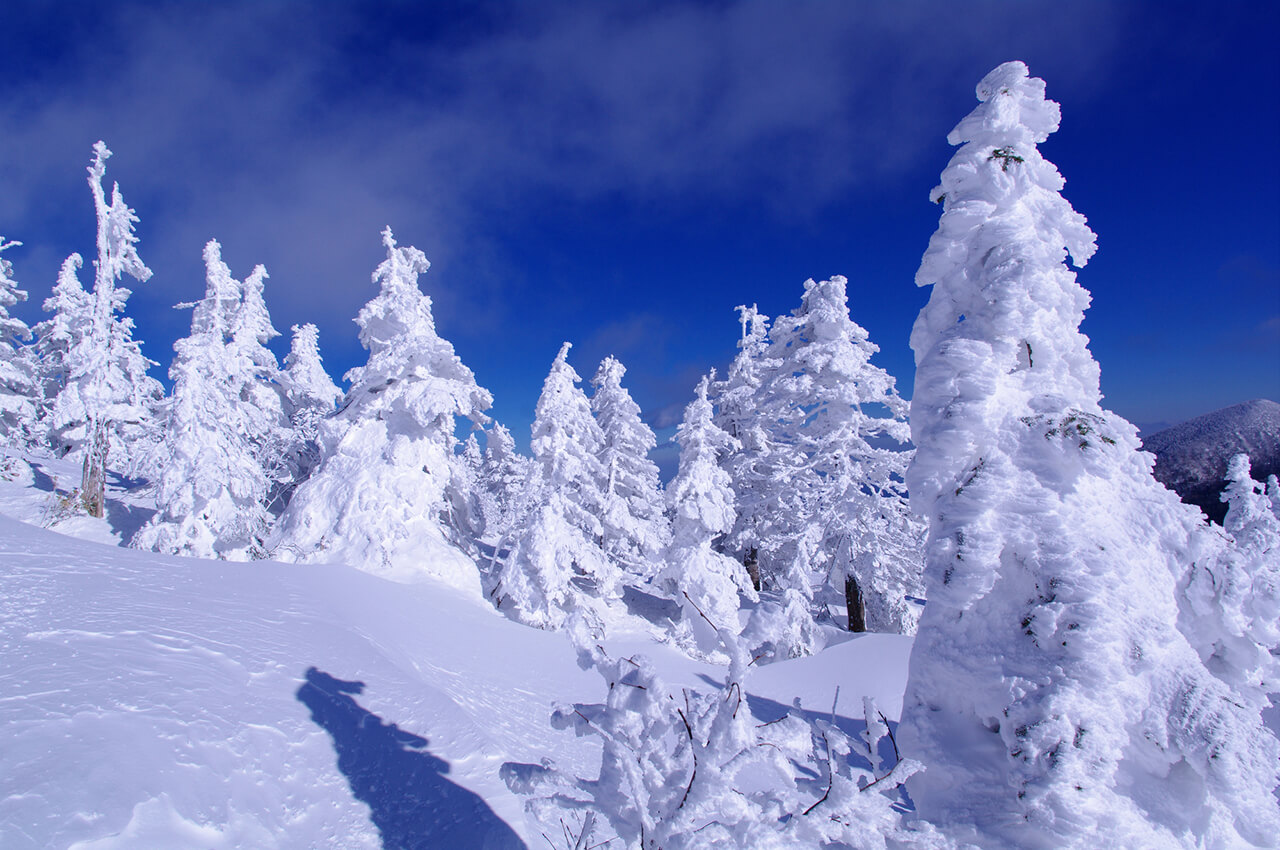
(310,396)
(1050,696)
(504,474)
(839,431)
(259,391)
(379,499)
(19,389)
(107,398)
(55,338)
(705,582)
(635,529)
(211,490)
(556,561)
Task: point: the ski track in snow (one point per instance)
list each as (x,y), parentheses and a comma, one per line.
(154,701)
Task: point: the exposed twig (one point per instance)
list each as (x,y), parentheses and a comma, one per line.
(889,731)
(831,778)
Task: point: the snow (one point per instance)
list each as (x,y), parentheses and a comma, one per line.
(150,700)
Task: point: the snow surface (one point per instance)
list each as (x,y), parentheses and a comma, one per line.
(155,701)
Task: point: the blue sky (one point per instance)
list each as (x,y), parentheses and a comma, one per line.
(622,175)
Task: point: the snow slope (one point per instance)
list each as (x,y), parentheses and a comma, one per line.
(1191,457)
(156,701)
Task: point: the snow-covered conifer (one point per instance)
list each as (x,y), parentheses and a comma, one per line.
(379,498)
(503,476)
(556,558)
(1050,695)
(634,524)
(705,582)
(211,489)
(311,395)
(838,429)
(106,400)
(55,337)
(19,390)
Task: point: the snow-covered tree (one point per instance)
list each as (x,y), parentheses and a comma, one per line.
(556,558)
(1051,696)
(502,482)
(634,524)
(840,432)
(379,498)
(19,390)
(56,336)
(105,403)
(705,582)
(736,400)
(211,489)
(311,395)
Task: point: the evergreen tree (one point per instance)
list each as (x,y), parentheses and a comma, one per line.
(840,434)
(19,390)
(504,474)
(310,396)
(211,489)
(1050,696)
(55,338)
(556,560)
(379,499)
(634,524)
(259,391)
(106,401)
(705,582)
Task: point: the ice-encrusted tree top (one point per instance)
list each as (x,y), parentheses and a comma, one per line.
(399,330)
(306,382)
(1005,309)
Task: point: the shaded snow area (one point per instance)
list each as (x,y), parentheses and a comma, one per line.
(1191,457)
(164,702)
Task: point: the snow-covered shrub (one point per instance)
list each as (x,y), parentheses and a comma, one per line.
(634,525)
(1051,696)
(693,770)
(379,498)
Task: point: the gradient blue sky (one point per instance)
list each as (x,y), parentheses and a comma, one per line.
(623,174)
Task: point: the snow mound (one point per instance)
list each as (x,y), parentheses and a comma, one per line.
(1191,458)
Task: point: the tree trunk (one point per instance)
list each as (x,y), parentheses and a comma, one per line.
(93,482)
(752,562)
(856,605)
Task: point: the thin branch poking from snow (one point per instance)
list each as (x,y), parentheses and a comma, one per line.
(830,778)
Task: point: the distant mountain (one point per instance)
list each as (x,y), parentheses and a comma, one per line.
(1191,458)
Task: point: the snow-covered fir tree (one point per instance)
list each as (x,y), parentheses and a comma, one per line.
(736,400)
(105,404)
(380,497)
(19,389)
(260,394)
(555,561)
(310,395)
(55,337)
(503,476)
(212,488)
(635,528)
(704,581)
(1051,696)
(838,431)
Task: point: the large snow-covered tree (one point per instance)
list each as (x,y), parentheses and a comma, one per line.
(1051,696)
(380,497)
(555,561)
(19,389)
(211,488)
(634,523)
(105,403)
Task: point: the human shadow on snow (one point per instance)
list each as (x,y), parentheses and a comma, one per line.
(411,802)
